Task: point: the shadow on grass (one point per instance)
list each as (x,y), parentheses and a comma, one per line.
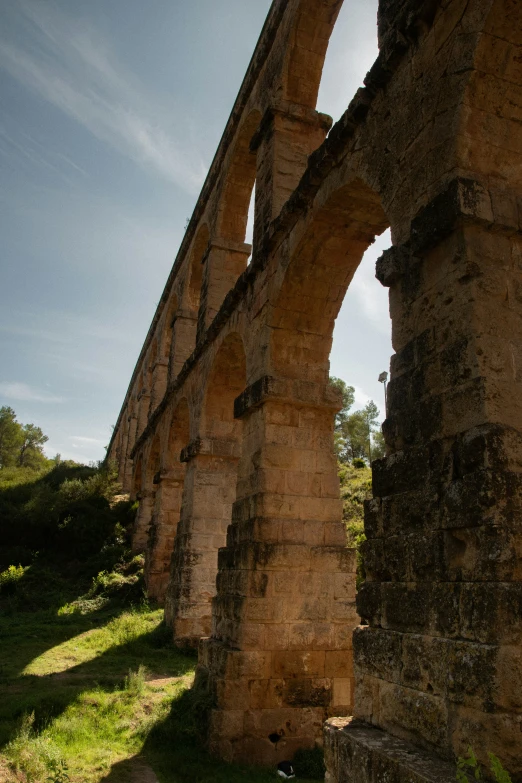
(49,695)
(174,752)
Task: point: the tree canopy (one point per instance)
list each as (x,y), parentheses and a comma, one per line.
(357,435)
(20,444)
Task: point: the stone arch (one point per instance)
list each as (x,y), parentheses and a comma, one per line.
(239,183)
(167,506)
(195,271)
(150,476)
(307,50)
(209,492)
(317,278)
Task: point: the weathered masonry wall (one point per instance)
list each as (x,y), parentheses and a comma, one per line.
(225,434)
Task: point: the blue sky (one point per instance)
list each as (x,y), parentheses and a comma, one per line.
(110,116)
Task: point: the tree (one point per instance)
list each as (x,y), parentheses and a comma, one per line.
(378,445)
(11,437)
(31,449)
(348,395)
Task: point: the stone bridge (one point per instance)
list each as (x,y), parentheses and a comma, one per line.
(225,434)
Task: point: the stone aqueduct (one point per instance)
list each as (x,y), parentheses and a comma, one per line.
(225,434)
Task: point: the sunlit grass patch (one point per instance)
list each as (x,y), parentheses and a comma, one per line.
(122,630)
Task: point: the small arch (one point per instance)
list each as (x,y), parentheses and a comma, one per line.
(352,50)
(307,50)
(239,184)
(195,271)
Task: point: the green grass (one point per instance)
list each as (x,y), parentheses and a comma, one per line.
(88,693)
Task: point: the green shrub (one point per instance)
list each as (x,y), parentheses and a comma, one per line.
(470,764)
(134,683)
(10,578)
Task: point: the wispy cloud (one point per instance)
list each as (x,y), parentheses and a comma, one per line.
(69,65)
(69,327)
(33,153)
(12,390)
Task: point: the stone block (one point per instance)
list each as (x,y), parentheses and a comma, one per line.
(378,653)
(294,663)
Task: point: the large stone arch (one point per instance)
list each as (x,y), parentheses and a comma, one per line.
(308,298)
(150,475)
(208,494)
(167,505)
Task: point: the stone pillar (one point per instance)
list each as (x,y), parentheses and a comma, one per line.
(224,262)
(162,532)
(208,493)
(143,519)
(287,136)
(159,384)
(279,660)
(183,340)
(439,662)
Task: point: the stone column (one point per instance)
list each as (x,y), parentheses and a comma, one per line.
(183,340)
(279,660)
(159,384)
(439,662)
(287,136)
(208,493)
(162,531)
(224,262)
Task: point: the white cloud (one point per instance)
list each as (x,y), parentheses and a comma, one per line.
(67,64)
(22,392)
(85,439)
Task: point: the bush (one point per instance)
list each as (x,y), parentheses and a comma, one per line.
(66,510)
(10,578)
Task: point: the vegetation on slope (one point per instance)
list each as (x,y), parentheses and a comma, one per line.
(92,687)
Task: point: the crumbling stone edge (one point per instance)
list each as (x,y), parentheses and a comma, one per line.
(358,753)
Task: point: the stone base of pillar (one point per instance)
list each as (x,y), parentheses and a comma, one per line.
(271,703)
(356,752)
